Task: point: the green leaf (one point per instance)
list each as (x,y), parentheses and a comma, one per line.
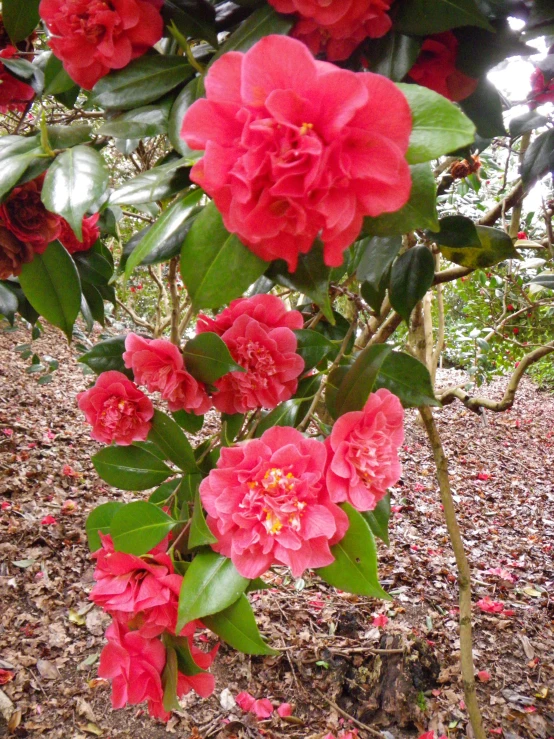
(139,526)
(285,414)
(169,681)
(231,424)
(189,421)
(411,276)
(107,355)
(185,660)
(141,82)
(130,467)
(14,164)
(456,232)
(56,79)
(484,108)
(64,137)
(313,347)
(263,22)
(161,495)
(544,280)
(194,23)
(374,268)
(311,278)
(167,435)
(237,626)
(526,123)
(8,302)
(207,358)
(100,520)
(93,267)
(393,55)
(188,95)
(356,386)
(408,379)
(355,567)
(158,183)
(215,266)
(150,120)
(538,159)
(494,246)
(378,519)
(76,180)
(419,212)
(439,126)
(199,534)
(334,381)
(210,585)
(169,222)
(426,17)
(51,285)
(20,18)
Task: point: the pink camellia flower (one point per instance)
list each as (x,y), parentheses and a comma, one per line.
(158,364)
(363,452)
(134,665)
(490,606)
(91,233)
(296,148)
(337,27)
(261,708)
(116,409)
(542,90)
(267,504)
(435,68)
(91,37)
(142,592)
(268,310)
(14,94)
(272,367)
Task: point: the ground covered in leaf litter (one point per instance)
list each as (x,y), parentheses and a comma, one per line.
(340,657)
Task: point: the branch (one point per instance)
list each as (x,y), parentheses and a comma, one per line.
(175,307)
(139,321)
(476,404)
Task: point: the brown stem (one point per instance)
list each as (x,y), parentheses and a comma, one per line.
(137,319)
(464,574)
(175,307)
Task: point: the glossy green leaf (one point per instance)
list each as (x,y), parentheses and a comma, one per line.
(51,285)
(167,435)
(358,382)
(378,519)
(237,626)
(210,585)
(355,567)
(100,520)
(65,137)
(141,82)
(158,183)
(494,246)
(76,180)
(231,425)
(8,302)
(169,681)
(107,355)
(426,17)
(538,160)
(419,212)
(215,266)
(313,347)
(169,222)
(188,95)
(311,278)
(189,421)
(185,660)
(484,107)
(138,527)
(20,18)
(207,358)
(199,534)
(93,267)
(527,122)
(544,280)
(192,20)
(161,495)
(150,120)
(455,232)
(56,79)
(393,55)
(374,268)
(15,162)
(408,379)
(334,381)
(439,126)
(130,467)
(285,414)
(411,276)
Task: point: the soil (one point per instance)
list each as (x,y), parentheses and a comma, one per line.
(330,667)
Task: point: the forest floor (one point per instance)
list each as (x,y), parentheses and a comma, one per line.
(502,474)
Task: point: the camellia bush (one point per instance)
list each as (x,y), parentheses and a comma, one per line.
(284,156)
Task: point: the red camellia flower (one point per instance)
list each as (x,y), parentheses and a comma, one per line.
(116,409)
(26,217)
(337,27)
(269,357)
(296,148)
(13,253)
(91,37)
(435,68)
(91,233)
(363,452)
(14,94)
(139,592)
(267,504)
(159,365)
(542,90)
(267,309)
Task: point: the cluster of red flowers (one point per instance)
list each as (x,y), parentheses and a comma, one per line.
(141,595)
(14,94)
(26,228)
(542,88)
(336,27)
